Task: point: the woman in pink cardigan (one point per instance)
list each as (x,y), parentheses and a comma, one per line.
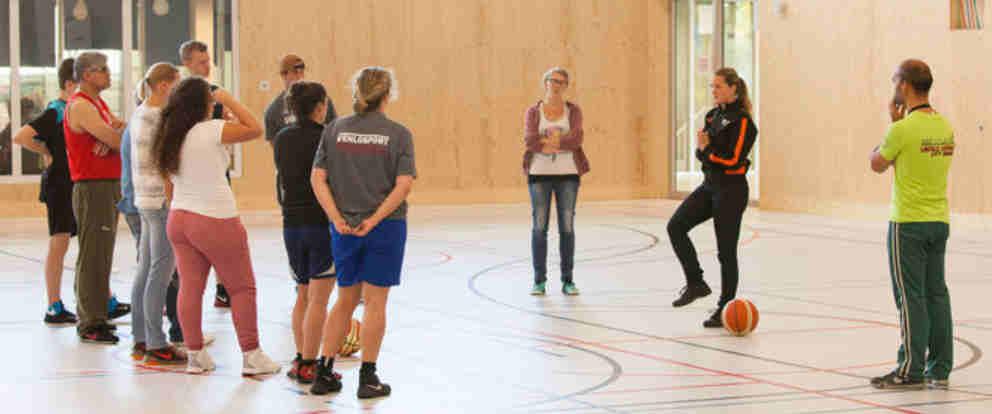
(553,163)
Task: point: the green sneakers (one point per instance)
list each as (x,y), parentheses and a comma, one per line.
(540,289)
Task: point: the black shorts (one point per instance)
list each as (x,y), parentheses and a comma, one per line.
(309,251)
(58,201)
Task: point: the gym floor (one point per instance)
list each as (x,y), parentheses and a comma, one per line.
(464,336)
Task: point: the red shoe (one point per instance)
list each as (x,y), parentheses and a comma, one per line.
(294,370)
(169,355)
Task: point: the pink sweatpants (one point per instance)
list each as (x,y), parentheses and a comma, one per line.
(200,242)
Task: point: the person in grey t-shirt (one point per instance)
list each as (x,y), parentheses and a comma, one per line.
(362,173)
(277,114)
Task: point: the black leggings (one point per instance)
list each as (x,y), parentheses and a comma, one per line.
(724,199)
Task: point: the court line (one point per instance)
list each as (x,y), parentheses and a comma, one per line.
(472,285)
(742,376)
(674,388)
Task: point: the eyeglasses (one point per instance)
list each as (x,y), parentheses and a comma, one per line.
(299,67)
(558,81)
(102,69)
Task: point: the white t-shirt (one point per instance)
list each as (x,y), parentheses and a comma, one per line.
(562,163)
(201,184)
(149,189)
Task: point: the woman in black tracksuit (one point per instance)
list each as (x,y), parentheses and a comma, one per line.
(723,147)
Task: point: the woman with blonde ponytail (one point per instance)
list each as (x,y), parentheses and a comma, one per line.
(723,147)
(362,173)
(156,262)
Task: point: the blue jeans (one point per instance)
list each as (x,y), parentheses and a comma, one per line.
(565,191)
(156,263)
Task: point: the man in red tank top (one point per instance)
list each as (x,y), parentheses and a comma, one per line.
(93,136)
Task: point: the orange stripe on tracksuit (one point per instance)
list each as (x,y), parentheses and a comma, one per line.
(737,148)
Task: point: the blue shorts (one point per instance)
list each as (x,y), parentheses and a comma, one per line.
(376,259)
(309,251)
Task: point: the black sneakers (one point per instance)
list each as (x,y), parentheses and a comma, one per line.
(325,382)
(57,315)
(222,299)
(99,335)
(715,320)
(116,308)
(690,293)
(892,381)
(370,387)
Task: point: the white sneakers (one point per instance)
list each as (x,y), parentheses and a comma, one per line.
(199,362)
(208,339)
(257,363)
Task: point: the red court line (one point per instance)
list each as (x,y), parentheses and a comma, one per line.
(681,387)
(736,375)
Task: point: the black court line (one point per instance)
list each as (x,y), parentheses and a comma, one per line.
(910,405)
(472,285)
(473,280)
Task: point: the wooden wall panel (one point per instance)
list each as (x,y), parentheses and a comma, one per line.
(825,77)
(467,71)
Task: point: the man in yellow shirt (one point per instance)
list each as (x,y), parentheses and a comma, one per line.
(919,145)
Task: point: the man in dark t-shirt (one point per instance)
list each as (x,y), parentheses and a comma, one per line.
(277,114)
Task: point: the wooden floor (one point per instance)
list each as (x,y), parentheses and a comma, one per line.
(464,336)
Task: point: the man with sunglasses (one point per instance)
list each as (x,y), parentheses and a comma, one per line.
(277,115)
(93,137)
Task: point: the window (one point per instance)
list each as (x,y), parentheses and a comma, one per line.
(47,31)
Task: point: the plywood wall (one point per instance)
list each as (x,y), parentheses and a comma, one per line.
(467,71)
(825,78)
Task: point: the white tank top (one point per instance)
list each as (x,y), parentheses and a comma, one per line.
(562,163)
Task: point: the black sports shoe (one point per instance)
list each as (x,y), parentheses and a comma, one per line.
(325,381)
(370,387)
(690,293)
(222,300)
(58,314)
(99,335)
(940,384)
(116,309)
(294,368)
(715,320)
(892,381)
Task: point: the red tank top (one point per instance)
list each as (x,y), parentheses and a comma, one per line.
(83,163)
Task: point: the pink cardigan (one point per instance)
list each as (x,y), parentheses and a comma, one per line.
(572,141)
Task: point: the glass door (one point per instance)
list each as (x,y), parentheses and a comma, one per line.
(708,35)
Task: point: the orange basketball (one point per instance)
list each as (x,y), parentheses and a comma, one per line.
(740,317)
(352,344)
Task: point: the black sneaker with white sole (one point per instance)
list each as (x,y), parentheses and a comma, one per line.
(690,293)
(715,320)
(893,381)
(939,384)
(99,335)
(57,314)
(325,382)
(369,386)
